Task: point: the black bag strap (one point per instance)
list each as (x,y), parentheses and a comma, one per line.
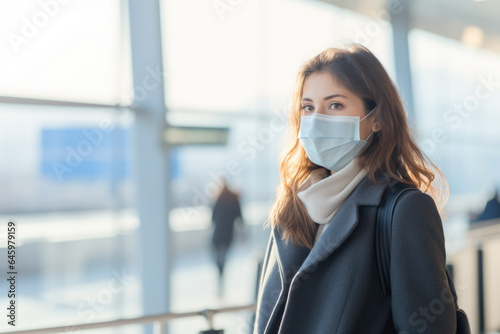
(383,232)
(383,235)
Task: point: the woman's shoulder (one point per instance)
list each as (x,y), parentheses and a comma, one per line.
(416,213)
(394,185)
(410,199)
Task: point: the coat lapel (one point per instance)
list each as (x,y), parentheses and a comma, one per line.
(344,222)
(290,257)
(297,258)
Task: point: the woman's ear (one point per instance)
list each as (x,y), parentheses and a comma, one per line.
(375,126)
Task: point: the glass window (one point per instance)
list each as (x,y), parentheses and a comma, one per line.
(247,54)
(64,50)
(456,100)
(67,182)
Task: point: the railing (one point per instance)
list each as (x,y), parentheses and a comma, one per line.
(159,321)
(480,233)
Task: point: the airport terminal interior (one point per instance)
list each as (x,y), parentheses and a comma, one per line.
(120,118)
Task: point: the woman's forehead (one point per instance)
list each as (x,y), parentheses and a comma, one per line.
(323,84)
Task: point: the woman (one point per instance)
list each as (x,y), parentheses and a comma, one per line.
(349,141)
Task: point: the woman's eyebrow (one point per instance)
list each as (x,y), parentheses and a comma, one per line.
(326,98)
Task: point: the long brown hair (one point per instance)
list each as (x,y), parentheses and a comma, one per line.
(390,151)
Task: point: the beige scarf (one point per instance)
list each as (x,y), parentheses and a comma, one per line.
(324,194)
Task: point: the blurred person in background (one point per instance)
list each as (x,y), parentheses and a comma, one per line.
(349,141)
(225,213)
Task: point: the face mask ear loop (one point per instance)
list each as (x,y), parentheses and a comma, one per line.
(368,136)
(363,119)
(368,114)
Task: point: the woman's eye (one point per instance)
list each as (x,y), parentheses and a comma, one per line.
(305,108)
(336,105)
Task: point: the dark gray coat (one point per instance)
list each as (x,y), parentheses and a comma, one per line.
(335,288)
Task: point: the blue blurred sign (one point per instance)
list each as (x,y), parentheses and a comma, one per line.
(86,153)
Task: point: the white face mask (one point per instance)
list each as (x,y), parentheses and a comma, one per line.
(331,141)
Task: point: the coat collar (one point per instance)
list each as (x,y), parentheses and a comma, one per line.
(294,258)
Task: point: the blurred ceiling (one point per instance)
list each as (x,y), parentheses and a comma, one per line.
(475,23)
